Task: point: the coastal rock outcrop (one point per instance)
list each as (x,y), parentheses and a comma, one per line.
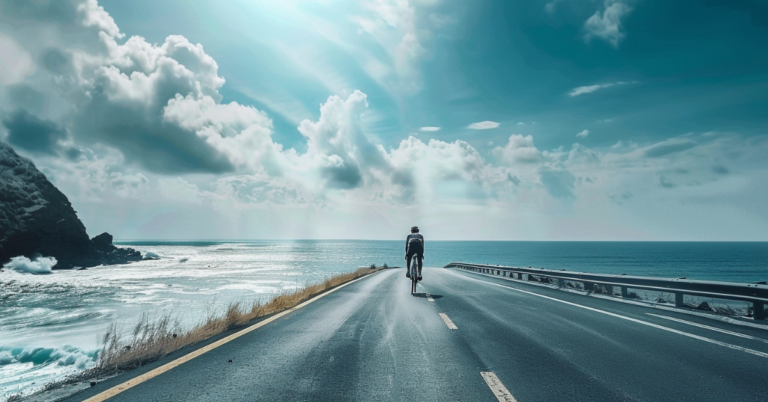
(38,219)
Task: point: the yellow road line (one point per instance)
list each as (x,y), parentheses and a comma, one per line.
(499,390)
(448,321)
(178,362)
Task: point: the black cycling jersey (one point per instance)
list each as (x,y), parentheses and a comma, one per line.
(414,244)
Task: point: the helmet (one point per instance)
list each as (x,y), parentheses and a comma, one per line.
(414,229)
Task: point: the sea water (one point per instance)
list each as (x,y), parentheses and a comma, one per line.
(51,325)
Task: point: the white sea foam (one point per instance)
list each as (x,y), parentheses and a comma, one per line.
(39,265)
(25,369)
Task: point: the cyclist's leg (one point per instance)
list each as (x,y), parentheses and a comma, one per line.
(408,265)
(419,261)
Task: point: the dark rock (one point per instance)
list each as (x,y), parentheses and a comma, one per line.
(93,383)
(38,219)
(704,306)
(103,242)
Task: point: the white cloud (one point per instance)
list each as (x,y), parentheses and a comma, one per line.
(152,117)
(483,125)
(607,25)
(398,29)
(337,146)
(94,15)
(429,129)
(583,133)
(17,62)
(178,189)
(519,149)
(588,89)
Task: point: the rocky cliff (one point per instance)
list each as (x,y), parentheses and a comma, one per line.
(37,219)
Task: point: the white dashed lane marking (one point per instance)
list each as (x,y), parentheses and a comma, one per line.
(499,390)
(429,297)
(448,321)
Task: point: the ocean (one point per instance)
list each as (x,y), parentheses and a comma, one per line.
(51,324)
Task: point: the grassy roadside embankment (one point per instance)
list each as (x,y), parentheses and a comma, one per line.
(152,340)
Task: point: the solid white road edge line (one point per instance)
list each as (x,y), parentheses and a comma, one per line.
(499,390)
(696,324)
(661,327)
(178,362)
(448,321)
(625,301)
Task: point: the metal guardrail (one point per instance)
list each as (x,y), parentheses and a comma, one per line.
(757,294)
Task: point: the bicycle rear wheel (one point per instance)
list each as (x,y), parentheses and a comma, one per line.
(414,276)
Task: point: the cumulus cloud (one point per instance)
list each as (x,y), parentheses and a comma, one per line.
(337,146)
(342,155)
(139,95)
(39,265)
(582,133)
(17,62)
(519,149)
(607,25)
(33,134)
(429,129)
(483,125)
(159,104)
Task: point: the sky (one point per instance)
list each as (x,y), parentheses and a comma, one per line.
(330,119)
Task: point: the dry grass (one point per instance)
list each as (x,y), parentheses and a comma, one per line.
(152,340)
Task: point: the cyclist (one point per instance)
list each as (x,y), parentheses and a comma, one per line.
(414,247)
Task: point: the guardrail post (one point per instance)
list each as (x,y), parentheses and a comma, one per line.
(679,300)
(560,283)
(758,310)
(624,292)
(589,286)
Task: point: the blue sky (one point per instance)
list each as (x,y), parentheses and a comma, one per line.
(529,120)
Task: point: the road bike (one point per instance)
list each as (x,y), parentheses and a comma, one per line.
(414,274)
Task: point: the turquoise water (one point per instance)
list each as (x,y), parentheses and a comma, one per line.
(723,261)
(726,261)
(50,325)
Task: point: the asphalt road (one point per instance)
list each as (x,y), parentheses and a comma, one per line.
(373,341)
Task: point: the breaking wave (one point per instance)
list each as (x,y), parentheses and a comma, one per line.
(65,356)
(39,265)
